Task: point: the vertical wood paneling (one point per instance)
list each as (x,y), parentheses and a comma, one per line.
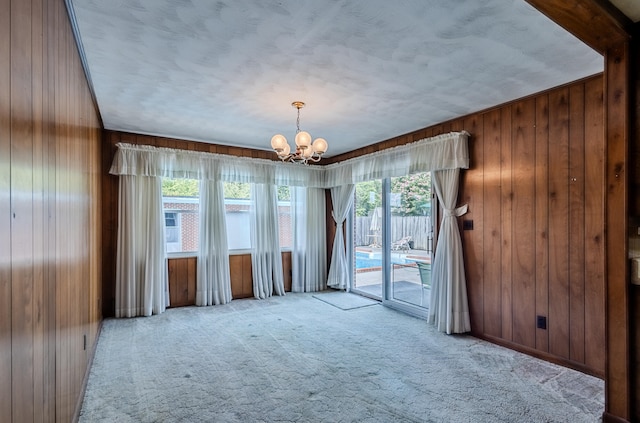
(618,389)
(5,209)
(542,218)
(182,288)
(182,281)
(523,253)
(286,270)
(594,231)
(22,329)
(192,271)
(506,192)
(41,327)
(558,321)
(247,276)
(64,330)
(236,271)
(492,235)
(109,186)
(50,193)
(49,276)
(576,223)
(173,281)
(472,195)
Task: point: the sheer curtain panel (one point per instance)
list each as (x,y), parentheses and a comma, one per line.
(142,286)
(213,280)
(266,258)
(309,253)
(449,310)
(342,198)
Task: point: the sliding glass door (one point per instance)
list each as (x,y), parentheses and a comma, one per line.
(393,238)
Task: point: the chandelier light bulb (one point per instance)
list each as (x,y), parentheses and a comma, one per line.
(303,140)
(307,152)
(287,150)
(320,145)
(278,142)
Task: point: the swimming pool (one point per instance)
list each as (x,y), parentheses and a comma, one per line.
(366,260)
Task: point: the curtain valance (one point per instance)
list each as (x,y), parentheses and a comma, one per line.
(448,151)
(146,160)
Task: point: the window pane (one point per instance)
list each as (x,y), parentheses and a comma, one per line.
(237,202)
(284,217)
(180,200)
(411,233)
(368,238)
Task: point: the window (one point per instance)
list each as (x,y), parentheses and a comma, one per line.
(172,230)
(237,202)
(180,201)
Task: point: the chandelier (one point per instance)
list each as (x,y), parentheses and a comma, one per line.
(306,151)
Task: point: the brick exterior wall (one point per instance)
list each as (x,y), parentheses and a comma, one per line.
(189,221)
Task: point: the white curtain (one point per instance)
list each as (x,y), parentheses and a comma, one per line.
(142,286)
(213,276)
(266,258)
(309,253)
(449,310)
(342,198)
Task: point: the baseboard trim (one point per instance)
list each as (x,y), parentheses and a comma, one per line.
(541,355)
(610,418)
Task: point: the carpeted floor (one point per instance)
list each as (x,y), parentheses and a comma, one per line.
(299,359)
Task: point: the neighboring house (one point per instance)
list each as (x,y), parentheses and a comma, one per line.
(181,224)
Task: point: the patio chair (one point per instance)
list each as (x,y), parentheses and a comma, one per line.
(425,273)
(402,244)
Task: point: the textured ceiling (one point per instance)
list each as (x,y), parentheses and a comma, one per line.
(227,71)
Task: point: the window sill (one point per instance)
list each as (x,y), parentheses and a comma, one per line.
(189,254)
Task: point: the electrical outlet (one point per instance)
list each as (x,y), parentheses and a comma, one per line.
(541,322)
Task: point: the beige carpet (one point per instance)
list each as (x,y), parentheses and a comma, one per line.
(299,359)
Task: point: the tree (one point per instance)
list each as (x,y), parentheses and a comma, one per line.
(410,195)
(239,190)
(415,194)
(368,197)
(180,187)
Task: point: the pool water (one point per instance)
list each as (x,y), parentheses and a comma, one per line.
(367,260)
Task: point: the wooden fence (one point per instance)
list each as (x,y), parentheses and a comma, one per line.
(417,227)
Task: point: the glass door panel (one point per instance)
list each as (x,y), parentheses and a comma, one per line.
(368,229)
(411,232)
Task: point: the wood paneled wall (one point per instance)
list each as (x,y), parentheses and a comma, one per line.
(182,281)
(535,190)
(183,274)
(536,194)
(634,224)
(50,270)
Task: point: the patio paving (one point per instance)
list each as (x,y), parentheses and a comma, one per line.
(405,278)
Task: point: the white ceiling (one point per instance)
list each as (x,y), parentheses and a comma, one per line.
(227,71)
